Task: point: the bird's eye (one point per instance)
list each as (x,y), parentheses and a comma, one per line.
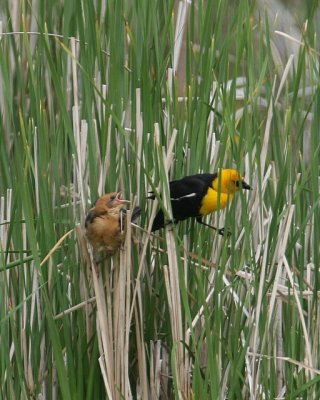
(110,203)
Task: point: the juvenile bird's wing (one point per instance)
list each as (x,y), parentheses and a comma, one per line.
(135,214)
(92,215)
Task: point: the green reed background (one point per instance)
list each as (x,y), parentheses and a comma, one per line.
(98,96)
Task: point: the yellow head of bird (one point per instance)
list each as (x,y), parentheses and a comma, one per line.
(230,181)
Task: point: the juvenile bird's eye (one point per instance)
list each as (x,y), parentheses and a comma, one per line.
(111,201)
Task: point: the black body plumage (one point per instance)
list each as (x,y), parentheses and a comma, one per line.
(186,195)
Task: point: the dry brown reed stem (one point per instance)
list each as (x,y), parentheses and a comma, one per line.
(173,294)
(148,234)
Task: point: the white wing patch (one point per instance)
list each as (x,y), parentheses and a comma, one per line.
(184,197)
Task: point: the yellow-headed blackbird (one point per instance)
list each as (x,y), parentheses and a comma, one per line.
(199,195)
(105,223)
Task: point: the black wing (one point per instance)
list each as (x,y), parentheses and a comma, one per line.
(186,195)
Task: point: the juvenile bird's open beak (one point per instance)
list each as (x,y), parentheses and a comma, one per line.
(243,185)
(120,199)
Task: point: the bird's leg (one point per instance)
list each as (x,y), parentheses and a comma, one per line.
(219,230)
(169,222)
(98,259)
(96,268)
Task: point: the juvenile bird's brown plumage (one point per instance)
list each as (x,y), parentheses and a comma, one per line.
(105,223)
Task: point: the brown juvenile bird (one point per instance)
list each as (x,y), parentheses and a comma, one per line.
(106,223)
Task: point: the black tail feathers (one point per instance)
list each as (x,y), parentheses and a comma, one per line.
(158,222)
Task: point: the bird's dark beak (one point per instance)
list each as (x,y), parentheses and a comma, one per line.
(243,185)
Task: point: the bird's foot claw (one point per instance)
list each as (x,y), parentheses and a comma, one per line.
(224,232)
